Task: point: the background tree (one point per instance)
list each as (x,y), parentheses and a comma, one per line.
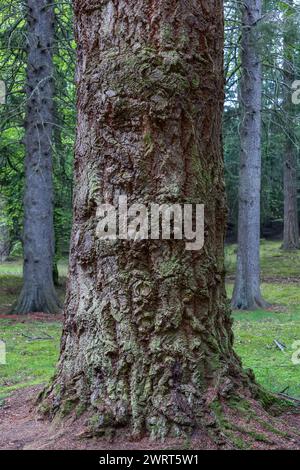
(274,118)
(291,223)
(246,294)
(38,292)
(13,63)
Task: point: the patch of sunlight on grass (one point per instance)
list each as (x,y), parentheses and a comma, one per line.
(256,331)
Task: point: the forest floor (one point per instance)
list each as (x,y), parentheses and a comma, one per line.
(21,428)
(32,346)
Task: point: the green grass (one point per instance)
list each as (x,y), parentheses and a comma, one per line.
(255,333)
(274,261)
(28,362)
(15,267)
(32,362)
(285,295)
(10,285)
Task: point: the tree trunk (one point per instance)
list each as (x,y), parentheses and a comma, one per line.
(147,340)
(290,220)
(38,293)
(246,294)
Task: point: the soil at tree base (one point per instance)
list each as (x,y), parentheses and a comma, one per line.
(22,428)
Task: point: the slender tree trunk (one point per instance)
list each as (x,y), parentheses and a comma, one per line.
(246,294)
(290,220)
(38,293)
(147,340)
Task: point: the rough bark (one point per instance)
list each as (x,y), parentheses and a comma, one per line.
(246,294)
(147,340)
(290,220)
(38,292)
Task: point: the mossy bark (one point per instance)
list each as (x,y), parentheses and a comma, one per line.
(147,340)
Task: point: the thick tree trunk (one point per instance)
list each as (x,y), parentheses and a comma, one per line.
(38,293)
(290,220)
(147,340)
(246,294)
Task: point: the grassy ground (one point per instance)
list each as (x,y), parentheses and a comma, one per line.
(275,263)
(255,333)
(31,360)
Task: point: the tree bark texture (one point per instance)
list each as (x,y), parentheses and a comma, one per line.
(147,340)
(38,292)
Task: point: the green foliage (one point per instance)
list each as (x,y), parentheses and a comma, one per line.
(279,19)
(12,116)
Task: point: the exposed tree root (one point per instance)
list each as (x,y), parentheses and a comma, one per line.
(244,423)
(230,419)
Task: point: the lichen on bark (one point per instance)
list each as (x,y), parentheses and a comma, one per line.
(147,341)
